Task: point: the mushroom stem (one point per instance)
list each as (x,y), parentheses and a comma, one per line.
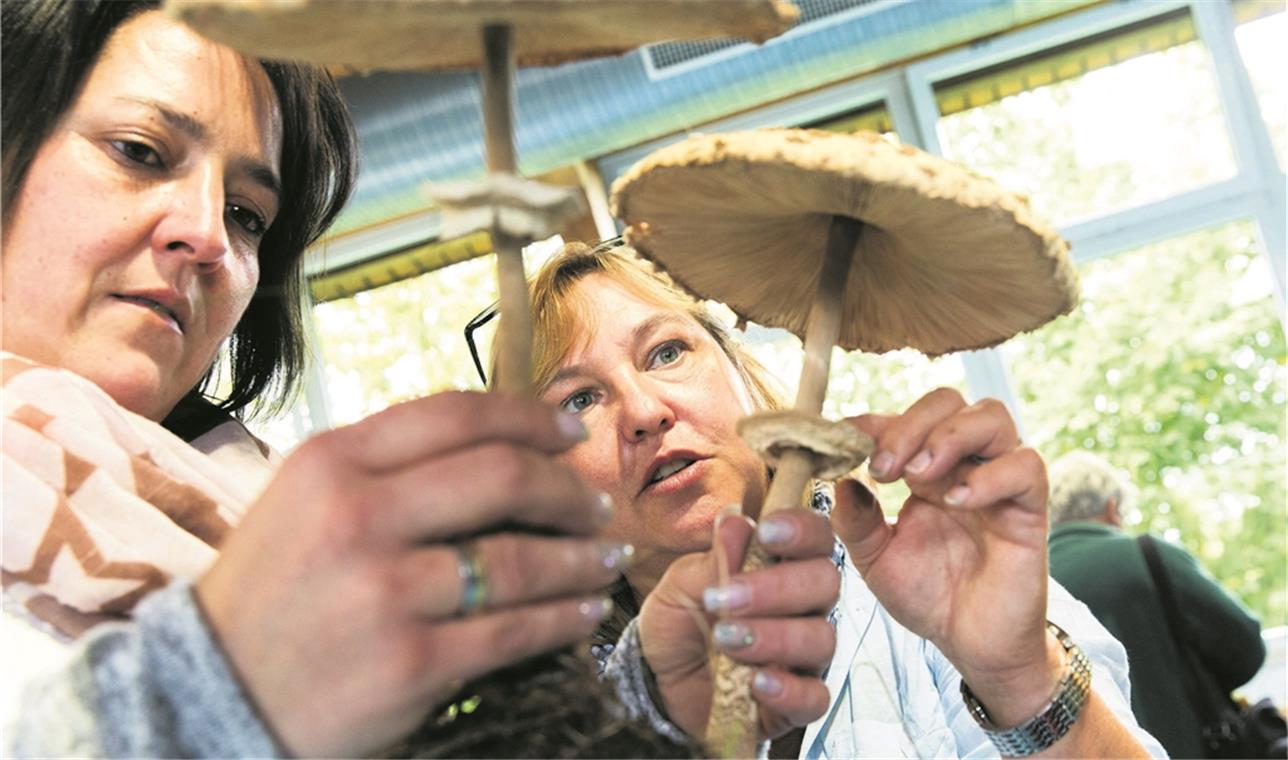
(733,721)
(514,333)
(824,327)
(498,89)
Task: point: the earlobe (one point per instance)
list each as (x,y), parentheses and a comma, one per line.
(1112,515)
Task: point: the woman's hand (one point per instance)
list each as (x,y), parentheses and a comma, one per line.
(774,618)
(337,597)
(965,566)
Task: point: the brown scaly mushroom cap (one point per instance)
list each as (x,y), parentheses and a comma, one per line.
(444,34)
(835,447)
(946,259)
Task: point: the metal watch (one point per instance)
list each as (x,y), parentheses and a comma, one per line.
(1053,721)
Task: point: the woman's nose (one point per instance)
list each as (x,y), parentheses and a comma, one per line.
(194,222)
(647,412)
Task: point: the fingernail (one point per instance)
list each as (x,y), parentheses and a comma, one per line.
(730,510)
(767,684)
(615,556)
(957,496)
(776,531)
(603,508)
(920,462)
(570,427)
(723,598)
(595,610)
(881,464)
(730,635)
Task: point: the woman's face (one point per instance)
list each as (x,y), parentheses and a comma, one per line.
(660,399)
(132,248)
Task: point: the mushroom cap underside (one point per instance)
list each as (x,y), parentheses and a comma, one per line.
(946,259)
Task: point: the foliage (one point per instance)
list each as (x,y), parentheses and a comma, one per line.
(1173,368)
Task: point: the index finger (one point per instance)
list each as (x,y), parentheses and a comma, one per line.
(430,427)
(901,436)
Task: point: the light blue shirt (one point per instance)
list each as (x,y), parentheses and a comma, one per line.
(893,694)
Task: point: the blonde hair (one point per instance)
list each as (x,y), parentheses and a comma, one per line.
(557,316)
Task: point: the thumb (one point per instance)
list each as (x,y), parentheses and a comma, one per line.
(730,537)
(859,522)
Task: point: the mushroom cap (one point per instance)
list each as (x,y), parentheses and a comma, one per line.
(946,259)
(835,447)
(442,34)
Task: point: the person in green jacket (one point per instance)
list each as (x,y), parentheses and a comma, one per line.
(1103,566)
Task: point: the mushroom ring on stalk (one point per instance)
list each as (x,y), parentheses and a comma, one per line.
(836,448)
(843,239)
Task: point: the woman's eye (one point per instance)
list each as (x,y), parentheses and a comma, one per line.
(577,402)
(248,220)
(139,153)
(667,353)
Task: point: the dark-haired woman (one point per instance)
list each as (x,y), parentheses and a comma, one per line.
(159,193)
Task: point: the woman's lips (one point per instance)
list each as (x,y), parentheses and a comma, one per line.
(163,312)
(680,480)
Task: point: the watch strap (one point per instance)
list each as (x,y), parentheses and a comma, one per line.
(1054,720)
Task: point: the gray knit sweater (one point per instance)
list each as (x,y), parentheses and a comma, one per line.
(156,687)
(161,687)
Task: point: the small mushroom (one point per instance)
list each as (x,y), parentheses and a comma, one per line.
(834,448)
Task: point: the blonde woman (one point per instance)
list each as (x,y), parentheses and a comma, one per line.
(954,594)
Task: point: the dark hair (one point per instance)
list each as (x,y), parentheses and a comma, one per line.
(49,47)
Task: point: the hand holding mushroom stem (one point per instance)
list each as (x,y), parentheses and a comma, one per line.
(731,731)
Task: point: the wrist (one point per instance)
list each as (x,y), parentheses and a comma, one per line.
(1051,722)
(1017,694)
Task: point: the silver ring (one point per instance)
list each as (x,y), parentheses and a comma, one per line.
(469,566)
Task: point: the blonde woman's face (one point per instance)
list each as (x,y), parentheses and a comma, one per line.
(661,400)
(132,249)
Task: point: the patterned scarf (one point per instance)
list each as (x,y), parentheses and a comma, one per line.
(103,506)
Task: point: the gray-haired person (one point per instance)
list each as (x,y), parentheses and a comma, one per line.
(1104,567)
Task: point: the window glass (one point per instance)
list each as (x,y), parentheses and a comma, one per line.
(1261,43)
(407,339)
(402,340)
(1173,368)
(1115,137)
(869,118)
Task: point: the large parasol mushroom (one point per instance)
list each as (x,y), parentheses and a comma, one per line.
(493,34)
(843,239)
